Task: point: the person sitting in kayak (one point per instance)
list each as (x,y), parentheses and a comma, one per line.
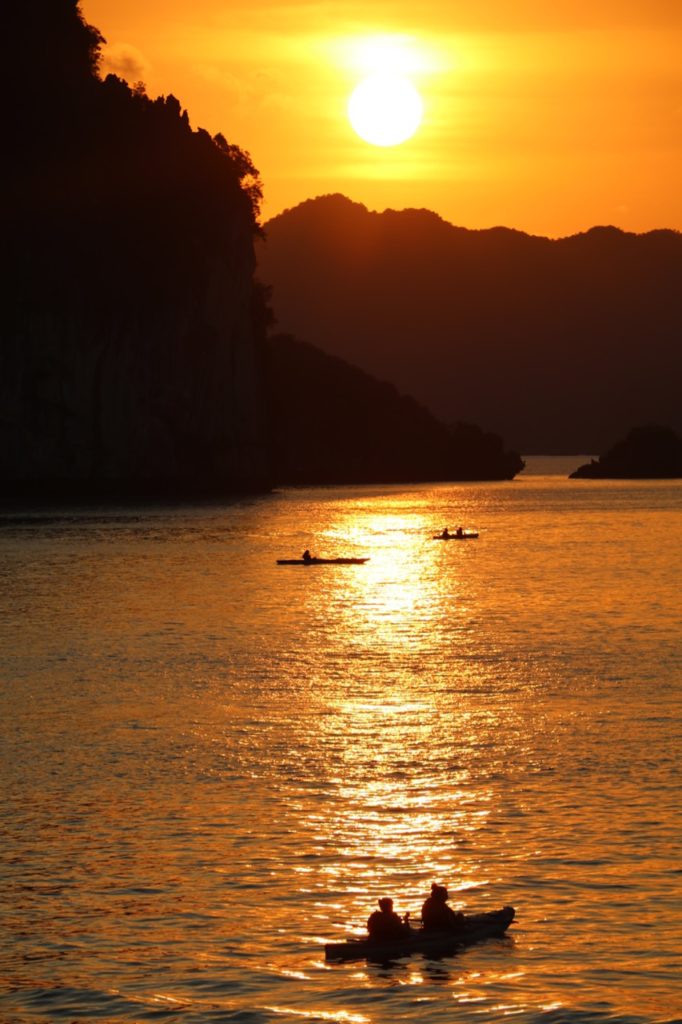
(437,916)
(385,923)
(307,557)
(460,532)
(446,534)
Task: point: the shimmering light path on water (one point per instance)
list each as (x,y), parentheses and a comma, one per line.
(211,764)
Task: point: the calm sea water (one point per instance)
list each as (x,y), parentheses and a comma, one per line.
(211,764)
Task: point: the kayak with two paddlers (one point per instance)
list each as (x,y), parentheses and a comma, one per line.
(443,930)
(459,534)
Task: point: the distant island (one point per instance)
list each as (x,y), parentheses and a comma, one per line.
(649,452)
(333,423)
(497,327)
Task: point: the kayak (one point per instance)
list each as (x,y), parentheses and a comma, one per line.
(322,561)
(456,536)
(476,927)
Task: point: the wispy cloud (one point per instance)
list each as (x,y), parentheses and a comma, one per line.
(126,61)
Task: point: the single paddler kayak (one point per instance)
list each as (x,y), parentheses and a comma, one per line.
(322,561)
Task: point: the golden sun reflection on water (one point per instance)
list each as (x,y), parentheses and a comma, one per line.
(269,752)
(387,818)
(342,1016)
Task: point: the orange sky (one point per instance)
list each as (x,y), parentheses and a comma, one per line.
(545,116)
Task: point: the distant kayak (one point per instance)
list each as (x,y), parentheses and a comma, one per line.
(322,561)
(476,928)
(470,535)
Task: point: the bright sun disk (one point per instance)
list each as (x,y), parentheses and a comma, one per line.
(385,109)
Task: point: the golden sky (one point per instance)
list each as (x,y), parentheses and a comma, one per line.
(545,115)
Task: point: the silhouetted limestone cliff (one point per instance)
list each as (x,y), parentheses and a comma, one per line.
(132,337)
(554,344)
(647,453)
(333,423)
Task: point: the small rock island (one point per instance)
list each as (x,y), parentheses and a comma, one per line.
(649,452)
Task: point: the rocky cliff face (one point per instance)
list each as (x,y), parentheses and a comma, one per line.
(169,401)
(131,345)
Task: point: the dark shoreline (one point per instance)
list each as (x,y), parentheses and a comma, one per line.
(48,496)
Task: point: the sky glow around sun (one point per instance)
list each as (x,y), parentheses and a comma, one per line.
(397,55)
(386,108)
(546,118)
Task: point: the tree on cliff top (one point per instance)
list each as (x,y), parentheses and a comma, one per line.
(49,43)
(110,191)
(51,67)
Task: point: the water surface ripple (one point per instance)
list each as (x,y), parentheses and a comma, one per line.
(211,764)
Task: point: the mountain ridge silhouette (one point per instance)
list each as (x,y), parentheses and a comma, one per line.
(559,345)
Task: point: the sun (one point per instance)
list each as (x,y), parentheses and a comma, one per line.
(385,109)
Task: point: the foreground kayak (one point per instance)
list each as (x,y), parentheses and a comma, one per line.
(476,927)
(322,561)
